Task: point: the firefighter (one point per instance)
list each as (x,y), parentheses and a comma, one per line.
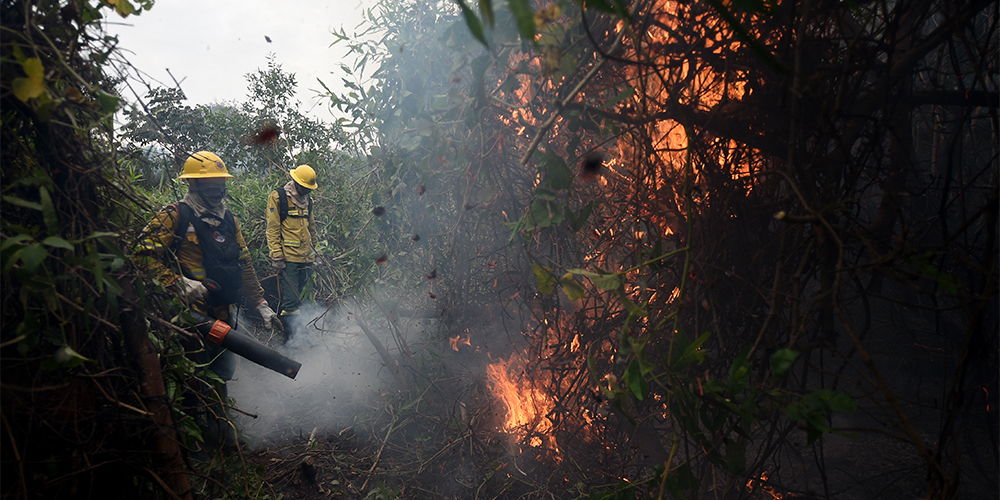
(292,238)
(197,239)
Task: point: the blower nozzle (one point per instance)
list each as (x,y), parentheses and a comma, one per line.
(217,332)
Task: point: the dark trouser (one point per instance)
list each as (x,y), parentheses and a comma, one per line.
(293,280)
(206,403)
(222,362)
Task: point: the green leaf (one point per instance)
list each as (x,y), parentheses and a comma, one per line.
(693,351)
(32,86)
(109,103)
(782,360)
(521,9)
(13,239)
(26,88)
(543,214)
(123,7)
(578,221)
(515,228)
(545,194)
(9,257)
(64,357)
(830,400)
(592,365)
(557,174)
(55,241)
(602,281)
(101,234)
(544,277)
(573,289)
(486,7)
(32,256)
(635,381)
(18,54)
(22,203)
(739,372)
(472,21)
(796,411)
(48,211)
(607,282)
(628,92)
(814,407)
(34,69)
(931,272)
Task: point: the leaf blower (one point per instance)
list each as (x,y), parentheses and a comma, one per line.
(218,332)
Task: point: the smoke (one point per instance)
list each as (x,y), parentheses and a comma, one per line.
(340,371)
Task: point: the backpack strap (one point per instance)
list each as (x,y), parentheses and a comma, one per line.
(184,214)
(282,204)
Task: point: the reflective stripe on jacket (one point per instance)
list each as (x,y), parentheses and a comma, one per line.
(294,239)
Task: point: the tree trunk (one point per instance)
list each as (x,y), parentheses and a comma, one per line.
(171,468)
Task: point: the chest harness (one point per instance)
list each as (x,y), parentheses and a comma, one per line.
(219,248)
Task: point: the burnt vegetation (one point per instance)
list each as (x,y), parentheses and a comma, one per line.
(639,249)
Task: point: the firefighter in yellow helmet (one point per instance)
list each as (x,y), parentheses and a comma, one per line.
(197,239)
(292,238)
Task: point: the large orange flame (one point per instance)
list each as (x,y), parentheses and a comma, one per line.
(527,407)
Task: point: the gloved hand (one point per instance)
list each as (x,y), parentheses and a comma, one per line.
(190,290)
(270,318)
(278,264)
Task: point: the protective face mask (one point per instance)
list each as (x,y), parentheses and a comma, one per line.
(215,192)
(212,195)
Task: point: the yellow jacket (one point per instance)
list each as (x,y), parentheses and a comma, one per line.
(153,256)
(294,239)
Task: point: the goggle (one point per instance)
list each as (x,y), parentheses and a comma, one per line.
(215,192)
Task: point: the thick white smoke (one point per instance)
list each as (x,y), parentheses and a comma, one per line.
(340,370)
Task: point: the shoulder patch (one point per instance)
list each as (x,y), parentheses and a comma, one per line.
(272,209)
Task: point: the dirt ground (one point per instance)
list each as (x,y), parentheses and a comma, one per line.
(325,467)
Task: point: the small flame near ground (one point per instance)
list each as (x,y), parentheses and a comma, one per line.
(458,341)
(761,481)
(526,404)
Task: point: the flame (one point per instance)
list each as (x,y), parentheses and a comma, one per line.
(766,488)
(692,82)
(527,405)
(695,83)
(458,341)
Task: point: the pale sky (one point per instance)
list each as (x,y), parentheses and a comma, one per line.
(209,46)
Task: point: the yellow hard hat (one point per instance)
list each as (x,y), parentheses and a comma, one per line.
(305,176)
(203,165)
